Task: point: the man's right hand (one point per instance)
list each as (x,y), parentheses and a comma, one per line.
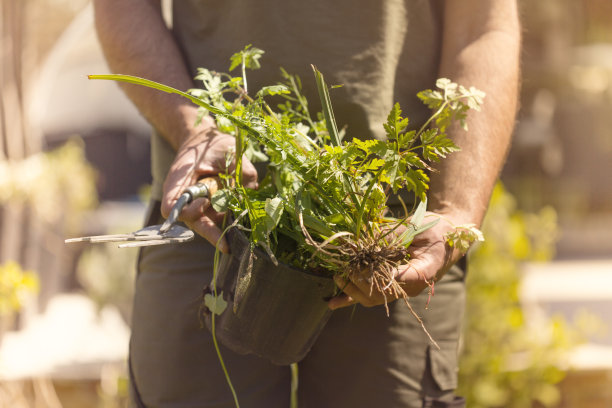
(201,155)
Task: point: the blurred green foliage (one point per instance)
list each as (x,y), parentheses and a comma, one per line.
(107,274)
(58,185)
(15,284)
(506,360)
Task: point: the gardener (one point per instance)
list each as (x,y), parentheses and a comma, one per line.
(382,52)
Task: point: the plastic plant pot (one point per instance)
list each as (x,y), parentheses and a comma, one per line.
(274,311)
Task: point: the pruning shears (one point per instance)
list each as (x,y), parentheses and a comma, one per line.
(168,232)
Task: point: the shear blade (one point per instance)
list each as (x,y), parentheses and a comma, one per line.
(145,237)
(151,236)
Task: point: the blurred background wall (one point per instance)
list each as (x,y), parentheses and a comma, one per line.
(562,151)
(561,158)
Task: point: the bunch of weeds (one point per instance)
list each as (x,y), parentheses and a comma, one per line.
(322,204)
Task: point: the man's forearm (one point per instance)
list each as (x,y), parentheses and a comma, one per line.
(137,42)
(481,49)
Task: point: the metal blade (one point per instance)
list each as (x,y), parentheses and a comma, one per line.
(101,238)
(175,234)
(146,236)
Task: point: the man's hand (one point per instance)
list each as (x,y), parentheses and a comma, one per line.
(202,154)
(136,41)
(430,257)
(480,48)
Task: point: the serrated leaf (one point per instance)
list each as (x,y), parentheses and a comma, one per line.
(406,139)
(438,148)
(382,149)
(416,180)
(395,123)
(390,173)
(429,135)
(374,164)
(249,55)
(365,145)
(273,90)
(463,236)
(412,160)
(433,99)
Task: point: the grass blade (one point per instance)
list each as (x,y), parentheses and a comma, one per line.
(168,89)
(328,113)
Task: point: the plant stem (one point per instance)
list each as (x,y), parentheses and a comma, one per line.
(212,323)
(244,77)
(362,205)
(294,385)
(303,103)
(238,158)
(432,117)
(332,128)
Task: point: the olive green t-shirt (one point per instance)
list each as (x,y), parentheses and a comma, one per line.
(381,51)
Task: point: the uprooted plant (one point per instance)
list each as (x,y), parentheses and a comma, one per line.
(322,204)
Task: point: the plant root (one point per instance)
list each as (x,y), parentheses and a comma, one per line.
(372,260)
(375,262)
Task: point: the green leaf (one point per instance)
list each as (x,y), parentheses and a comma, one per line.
(406,139)
(463,236)
(273,90)
(412,160)
(416,180)
(274,210)
(429,135)
(433,99)
(439,147)
(374,164)
(334,218)
(381,149)
(391,167)
(254,154)
(220,201)
(395,123)
(412,231)
(328,112)
(216,304)
(419,214)
(249,56)
(365,145)
(168,89)
(318,226)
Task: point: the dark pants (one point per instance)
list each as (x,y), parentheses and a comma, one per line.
(362,359)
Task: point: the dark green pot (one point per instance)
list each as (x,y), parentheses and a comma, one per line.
(274,311)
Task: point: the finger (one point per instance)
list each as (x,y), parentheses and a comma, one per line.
(340,301)
(376,295)
(355,293)
(180,176)
(363,285)
(207,228)
(413,276)
(195,210)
